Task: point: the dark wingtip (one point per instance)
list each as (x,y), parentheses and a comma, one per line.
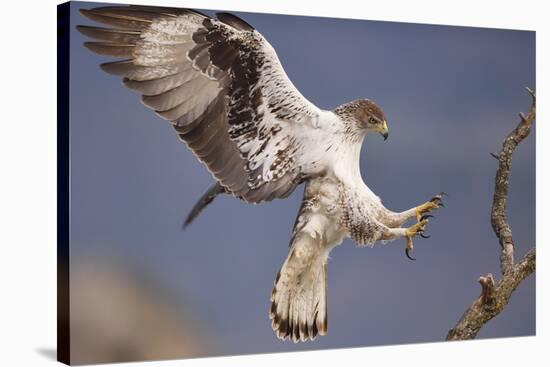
(234,21)
(89,13)
(83,29)
(84,12)
(190,218)
(196,12)
(205,199)
(186,224)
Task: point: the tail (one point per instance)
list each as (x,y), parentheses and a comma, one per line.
(203,202)
(299,298)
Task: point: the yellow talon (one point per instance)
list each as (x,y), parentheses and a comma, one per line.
(416,228)
(425,208)
(434,203)
(412,231)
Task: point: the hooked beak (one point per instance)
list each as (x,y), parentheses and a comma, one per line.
(384,130)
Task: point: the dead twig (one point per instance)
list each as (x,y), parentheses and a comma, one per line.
(494,298)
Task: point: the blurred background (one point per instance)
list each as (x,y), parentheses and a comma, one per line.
(143,289)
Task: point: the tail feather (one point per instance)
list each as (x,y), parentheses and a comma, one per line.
(299,297)
(203,202)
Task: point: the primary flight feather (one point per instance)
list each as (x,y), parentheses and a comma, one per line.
(221,86)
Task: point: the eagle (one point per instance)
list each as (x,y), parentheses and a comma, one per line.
(221,86)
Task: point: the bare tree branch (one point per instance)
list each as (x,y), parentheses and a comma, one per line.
(493,299)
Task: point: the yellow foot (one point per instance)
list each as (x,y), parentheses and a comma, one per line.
(417,228)
(434,203)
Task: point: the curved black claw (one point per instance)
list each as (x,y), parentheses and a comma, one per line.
(426,216)
(439,198)
(424,236)
(409,255)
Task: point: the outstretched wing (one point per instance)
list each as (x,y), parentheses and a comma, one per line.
(220,84)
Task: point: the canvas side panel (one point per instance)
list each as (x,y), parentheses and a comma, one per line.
(63,125)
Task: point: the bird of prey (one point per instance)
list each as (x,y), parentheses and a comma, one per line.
(220,84)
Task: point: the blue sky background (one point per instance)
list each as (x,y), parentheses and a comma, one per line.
(451,95)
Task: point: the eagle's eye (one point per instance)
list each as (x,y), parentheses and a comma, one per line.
(372,120)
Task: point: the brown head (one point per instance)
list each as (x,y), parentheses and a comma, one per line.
(364,115)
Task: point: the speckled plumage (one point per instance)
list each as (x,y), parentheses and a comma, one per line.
(222,87)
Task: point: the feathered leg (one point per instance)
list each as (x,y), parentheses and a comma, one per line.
(408,233)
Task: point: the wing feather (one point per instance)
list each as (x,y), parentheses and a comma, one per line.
(221,85)
(126,20)
(158,86)
(111,49)
(114,35)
